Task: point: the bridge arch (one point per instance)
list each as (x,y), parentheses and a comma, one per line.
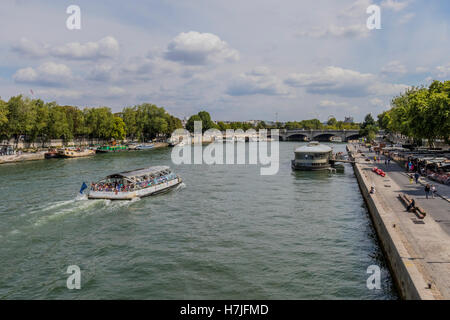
(325,137)
(296,137)
(353,137)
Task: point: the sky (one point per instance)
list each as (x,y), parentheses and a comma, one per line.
(238,60)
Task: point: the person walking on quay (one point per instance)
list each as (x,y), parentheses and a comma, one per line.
(433,191)
(416,177)
(427,190)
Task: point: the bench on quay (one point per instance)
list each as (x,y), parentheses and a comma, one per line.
(420,213)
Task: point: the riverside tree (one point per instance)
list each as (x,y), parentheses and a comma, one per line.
(368,128)
(33,119)
(205,118)
(420,113)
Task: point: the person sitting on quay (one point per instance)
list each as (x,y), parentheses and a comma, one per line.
(411,205)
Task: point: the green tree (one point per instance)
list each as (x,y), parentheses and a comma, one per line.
(118,131)
(368,128)
(21,117)
(58,126)
(3,117)
(332,122)
(191,121)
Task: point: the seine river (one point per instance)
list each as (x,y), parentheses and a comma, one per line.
(227,233)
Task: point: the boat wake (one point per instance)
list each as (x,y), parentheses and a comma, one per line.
(181,186)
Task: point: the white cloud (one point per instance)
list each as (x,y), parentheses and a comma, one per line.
(343,82)
(350,31)
(257,81)
(406,18)
(194,48)
(395,5)
(333,80)
(356,9)
(376,102)
(443,71)
(422,69)
(115,92)
(103,72)
(48,73)
(394,67)
(54,94)
(387,89)
(30,48)
(107,47)
(331,103)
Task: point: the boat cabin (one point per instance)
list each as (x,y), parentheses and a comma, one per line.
(313,156)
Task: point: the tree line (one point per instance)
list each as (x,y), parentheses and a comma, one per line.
(313,124)
(420,113)
(33,118)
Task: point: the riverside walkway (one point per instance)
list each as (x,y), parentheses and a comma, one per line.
(423,246)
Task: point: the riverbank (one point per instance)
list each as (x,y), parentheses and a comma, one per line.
(40,155)
(417,250)
(22,157)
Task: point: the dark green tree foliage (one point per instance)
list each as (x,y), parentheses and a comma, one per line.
(33,119)
(205,119)
(369,128)
(420,113)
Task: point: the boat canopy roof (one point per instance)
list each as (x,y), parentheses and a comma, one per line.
(313,147)
(141,172)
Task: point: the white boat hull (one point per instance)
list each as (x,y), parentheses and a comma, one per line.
(111,195)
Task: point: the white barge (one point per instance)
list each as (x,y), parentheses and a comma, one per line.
(134,184)
(311,157)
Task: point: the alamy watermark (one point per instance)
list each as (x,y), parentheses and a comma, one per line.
(74,280)
(258,148)
(374,21)
(374,280)
(73,22)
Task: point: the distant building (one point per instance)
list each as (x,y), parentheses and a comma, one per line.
(348,120)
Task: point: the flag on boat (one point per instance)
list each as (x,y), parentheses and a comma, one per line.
(83,187)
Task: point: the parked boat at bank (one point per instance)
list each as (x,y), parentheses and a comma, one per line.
(115,148)
(145,146)
(51,153)
(313,156)
(134,184)
(74,153)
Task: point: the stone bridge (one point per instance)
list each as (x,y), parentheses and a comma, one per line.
(318,135)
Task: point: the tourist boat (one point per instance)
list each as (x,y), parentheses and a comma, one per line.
(313,156)
(135,184)
(108,149)
(75,153)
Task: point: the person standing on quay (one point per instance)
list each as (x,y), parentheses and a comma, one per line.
(427,190)
(416,177)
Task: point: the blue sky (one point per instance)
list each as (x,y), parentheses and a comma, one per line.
(239,60)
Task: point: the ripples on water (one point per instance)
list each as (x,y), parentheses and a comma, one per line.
(227,233)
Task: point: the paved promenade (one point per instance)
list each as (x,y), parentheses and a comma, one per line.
(427,241)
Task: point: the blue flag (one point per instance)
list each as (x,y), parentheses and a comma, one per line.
(83,187)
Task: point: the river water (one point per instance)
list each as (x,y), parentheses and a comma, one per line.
(226,233)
